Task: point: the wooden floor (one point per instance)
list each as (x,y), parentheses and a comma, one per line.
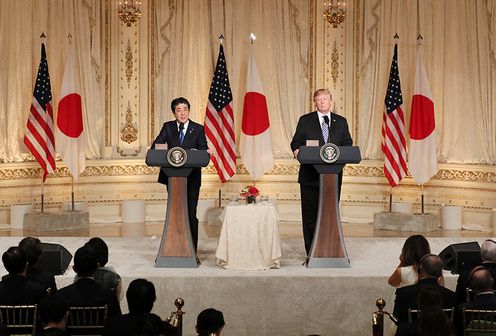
(287,230)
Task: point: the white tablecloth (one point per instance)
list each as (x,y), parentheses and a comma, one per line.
(249,239)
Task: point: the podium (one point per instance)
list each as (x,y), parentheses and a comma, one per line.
(328,248)
(176,247)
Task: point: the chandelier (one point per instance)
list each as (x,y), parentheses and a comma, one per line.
(334,12)
(129,12)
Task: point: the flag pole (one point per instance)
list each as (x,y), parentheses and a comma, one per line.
(72,193)
(390,199)
(220,198)
(42,196)
(422,198)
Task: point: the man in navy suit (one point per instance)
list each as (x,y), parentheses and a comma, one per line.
(311,129)
(187,134)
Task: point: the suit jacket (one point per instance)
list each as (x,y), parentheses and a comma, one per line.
(85,292)
(121,325)
(482,301)
(43,277)
(18,290)
(194,138)
(309,128)
(463,281)
(406,297)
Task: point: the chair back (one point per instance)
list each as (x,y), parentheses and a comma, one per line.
(19,320)
(86,320)
(479,322)
(413,314)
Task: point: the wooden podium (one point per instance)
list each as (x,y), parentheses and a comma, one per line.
(176,248)
(328,249)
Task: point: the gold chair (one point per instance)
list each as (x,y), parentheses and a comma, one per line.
(19,320)
(86,320)
(479,322)
(413,313)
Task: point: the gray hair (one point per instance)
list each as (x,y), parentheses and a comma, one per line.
(488,250)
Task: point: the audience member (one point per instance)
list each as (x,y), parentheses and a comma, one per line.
(152,325)
(430,270)
(431,320)
(488,256)
(414,248)
(16,289)
(105,276)
(85,291)
(210,322)
(53,311)
(32,248)
(481,282)
(140,297)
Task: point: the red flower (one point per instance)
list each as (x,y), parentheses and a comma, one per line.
(249,191)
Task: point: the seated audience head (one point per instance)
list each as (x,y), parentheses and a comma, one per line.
(15,260)
(488,251)
(429,296)
(431,266)
(101,250)
(432,320)
(481,280)
(32,248)
(210,322)
(85,262)
(414,248)
(53,311)
(140,296)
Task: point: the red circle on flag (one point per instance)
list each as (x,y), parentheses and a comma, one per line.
(255,114)
(422,122)
(70,116)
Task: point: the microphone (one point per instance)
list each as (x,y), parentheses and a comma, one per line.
(326,120)
(181,126)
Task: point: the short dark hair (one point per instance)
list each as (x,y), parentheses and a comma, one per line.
(177,101)
(53,308)
(140,296)
(14,260)
(209,321)
(100,248)
(32,247)
(85,261)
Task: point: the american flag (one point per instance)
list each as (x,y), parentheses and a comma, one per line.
(219,121)
(393,127)
(39,134)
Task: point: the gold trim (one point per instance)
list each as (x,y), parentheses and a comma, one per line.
(293,13)
(129,133)
(151,89)
(312,42)
(129,63)
(356,112)
(335,64)
(107,74)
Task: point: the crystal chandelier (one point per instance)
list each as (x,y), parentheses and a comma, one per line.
(129,12)
(334,12)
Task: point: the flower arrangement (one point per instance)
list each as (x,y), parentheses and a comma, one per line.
(249,191)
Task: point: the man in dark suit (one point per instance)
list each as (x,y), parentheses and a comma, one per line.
(317,128)
(481,282)
(53,312)
(16,289)
(85,292)
(430,270)
(187,134)
(488,256)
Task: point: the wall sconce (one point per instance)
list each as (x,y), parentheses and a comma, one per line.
(334,12)
(129,12)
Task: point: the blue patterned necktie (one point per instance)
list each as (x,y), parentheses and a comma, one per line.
(325,129)
(181,133)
